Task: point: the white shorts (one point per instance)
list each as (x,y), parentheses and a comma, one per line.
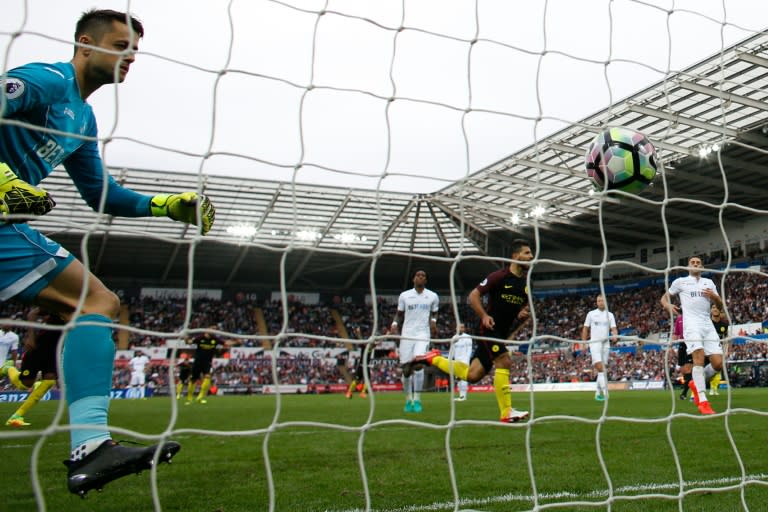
(599,351)
(412,348)
(702,336)
(138,379)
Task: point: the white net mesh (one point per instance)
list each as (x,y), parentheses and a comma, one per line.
(345,145)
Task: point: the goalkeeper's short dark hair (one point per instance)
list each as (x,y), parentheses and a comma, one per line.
(98,22)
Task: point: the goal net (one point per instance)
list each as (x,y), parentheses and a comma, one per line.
(346,146)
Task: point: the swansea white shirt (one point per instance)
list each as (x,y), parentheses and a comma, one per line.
(462,348)
(138,363)
(696,306)
(9,341)
(600,324)
(417,308)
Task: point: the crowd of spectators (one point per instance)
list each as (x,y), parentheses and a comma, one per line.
(557,326)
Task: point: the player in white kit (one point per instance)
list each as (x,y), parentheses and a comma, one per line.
(9,344)
(462,351)
(138,365)
(600,329)
(697,294)
(416,309)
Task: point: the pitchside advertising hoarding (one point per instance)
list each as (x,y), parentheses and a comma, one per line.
(55,394)
(292,389)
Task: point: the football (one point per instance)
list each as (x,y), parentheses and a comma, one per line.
(620,159)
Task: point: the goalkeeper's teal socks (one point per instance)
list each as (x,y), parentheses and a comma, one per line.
(88,358)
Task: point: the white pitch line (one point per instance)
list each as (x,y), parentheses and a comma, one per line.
(506,498)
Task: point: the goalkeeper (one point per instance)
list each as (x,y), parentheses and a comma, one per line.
(45,122)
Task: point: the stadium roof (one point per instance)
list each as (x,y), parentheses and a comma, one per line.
(718,104)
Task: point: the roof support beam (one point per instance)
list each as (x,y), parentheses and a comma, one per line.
(726,97)
(384,237)
(300,268)
(639,224)
(244,251)
(679,119)
(439,231)
(174,255)
(475,233)
(752,59)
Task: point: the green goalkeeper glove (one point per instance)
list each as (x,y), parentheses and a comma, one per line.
(18,196)
(183,207)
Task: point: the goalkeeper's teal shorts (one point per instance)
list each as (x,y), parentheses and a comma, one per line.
(29,261)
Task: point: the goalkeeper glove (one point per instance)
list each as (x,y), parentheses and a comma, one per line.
(19,197)
(183,207)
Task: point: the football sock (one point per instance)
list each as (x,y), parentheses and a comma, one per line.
(179,387)
(190,390)
(601,383)
(88,358)
(502,389)
(204,388)
(418,384)
(460,369)
(463,387)
(35,396)
(699,384)
(709,372)
(714,383)
(13,376)
(407,388)
(351,387)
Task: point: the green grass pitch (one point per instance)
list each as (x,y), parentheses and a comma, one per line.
(407,458)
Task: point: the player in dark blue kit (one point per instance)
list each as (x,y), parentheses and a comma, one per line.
(44,122)
(506,313)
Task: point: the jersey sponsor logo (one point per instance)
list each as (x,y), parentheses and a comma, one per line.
(51,152)
(513,299)
(13,88)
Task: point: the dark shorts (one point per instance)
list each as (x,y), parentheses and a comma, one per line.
(487,351)
(184,374)
(200,368)
(684,358)
(43,357)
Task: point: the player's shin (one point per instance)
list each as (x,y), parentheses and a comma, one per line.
(460,369)
(699,384)
(88,357)
(502,389)
(709,372)
(602,383)
(14,375)
(35,396)
(407,387)
(204,388)
(418,384)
